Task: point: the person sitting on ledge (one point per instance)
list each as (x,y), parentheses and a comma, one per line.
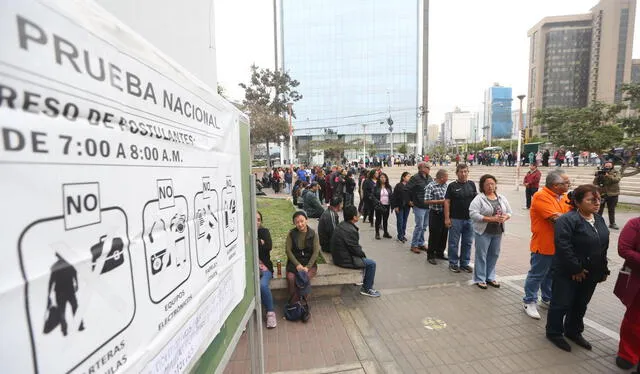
(347,252)
(328,222)
(311,202)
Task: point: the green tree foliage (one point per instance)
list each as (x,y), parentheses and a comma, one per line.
(265,101)
(593,128)
(334,148)
(266,127)
(270,89)
(630,123)
(402,149)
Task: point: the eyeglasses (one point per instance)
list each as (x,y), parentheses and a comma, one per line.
(565,183)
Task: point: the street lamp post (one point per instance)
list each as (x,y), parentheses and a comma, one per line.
(281,153)
(289,106)
(520,97)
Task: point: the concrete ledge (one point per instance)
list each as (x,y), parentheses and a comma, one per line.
(328,282)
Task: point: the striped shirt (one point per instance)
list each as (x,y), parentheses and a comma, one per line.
(435,191)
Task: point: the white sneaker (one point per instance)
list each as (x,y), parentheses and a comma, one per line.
(531,310)
(545,304)
(271,320)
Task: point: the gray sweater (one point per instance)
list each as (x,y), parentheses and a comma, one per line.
(481,207)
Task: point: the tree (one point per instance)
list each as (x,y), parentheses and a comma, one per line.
(631,122)
(265,100)
(270,89)
(334,148)
(222,91)
(266,127)
(402,149)
(593,128)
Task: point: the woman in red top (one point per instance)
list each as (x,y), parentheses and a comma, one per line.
(532,182)
(629,249)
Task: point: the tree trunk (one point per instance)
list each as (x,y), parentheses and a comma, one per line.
(268,156)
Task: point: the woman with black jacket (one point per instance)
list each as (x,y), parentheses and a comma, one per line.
(581,239)
(368,186)
(381,203)
(400,204)
(349,188)
(266,270)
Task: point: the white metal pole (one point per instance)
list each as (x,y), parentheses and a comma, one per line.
(290,138)
(520,97)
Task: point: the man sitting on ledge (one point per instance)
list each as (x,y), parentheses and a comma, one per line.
(329,220)
(347,252)
(311,203)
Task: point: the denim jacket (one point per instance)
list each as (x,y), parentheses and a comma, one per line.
(480,207)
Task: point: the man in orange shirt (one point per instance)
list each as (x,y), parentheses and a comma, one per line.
(547,205)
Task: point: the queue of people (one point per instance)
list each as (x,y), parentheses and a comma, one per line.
(568,246)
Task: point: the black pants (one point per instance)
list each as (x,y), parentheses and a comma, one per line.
(611,202)
(367,211)
(529,192)
(568,305)
(437,234)
(382,215)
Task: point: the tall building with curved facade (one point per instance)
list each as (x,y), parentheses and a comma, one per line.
(578,59)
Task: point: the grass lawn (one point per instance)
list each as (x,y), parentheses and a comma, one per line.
(631,208)
(277,218)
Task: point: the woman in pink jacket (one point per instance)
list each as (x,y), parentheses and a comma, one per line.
(629,249)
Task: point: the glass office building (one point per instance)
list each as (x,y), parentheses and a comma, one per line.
(354,60)
(497,113)
(567,66)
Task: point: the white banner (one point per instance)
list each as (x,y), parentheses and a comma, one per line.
(122,234)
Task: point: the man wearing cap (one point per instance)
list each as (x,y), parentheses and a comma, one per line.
(347,252)
(311,203)
(416,188)
(328,222)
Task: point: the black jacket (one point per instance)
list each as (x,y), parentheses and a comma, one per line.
(265,249)
(416,187)
(345,246)
(377,192)
(327,224)
(367,189)
(400,197)
(580,246)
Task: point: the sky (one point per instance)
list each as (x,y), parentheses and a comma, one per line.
(472,44)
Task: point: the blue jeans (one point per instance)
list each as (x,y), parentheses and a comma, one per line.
(538,277)
(401,221)
(265,291)
(369,273)
(460,231)
(487,251)
(421,217)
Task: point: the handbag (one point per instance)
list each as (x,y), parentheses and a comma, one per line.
(627,286)
(377,205)
(297,311)
(52,318)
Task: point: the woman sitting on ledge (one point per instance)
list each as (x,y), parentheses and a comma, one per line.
(303,247)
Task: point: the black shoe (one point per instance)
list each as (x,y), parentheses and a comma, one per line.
(559,342)
(623,364)
(386,235)
(454,268)
(377,236)
(580,340)
(467,268)
(432,260)
(613,226)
